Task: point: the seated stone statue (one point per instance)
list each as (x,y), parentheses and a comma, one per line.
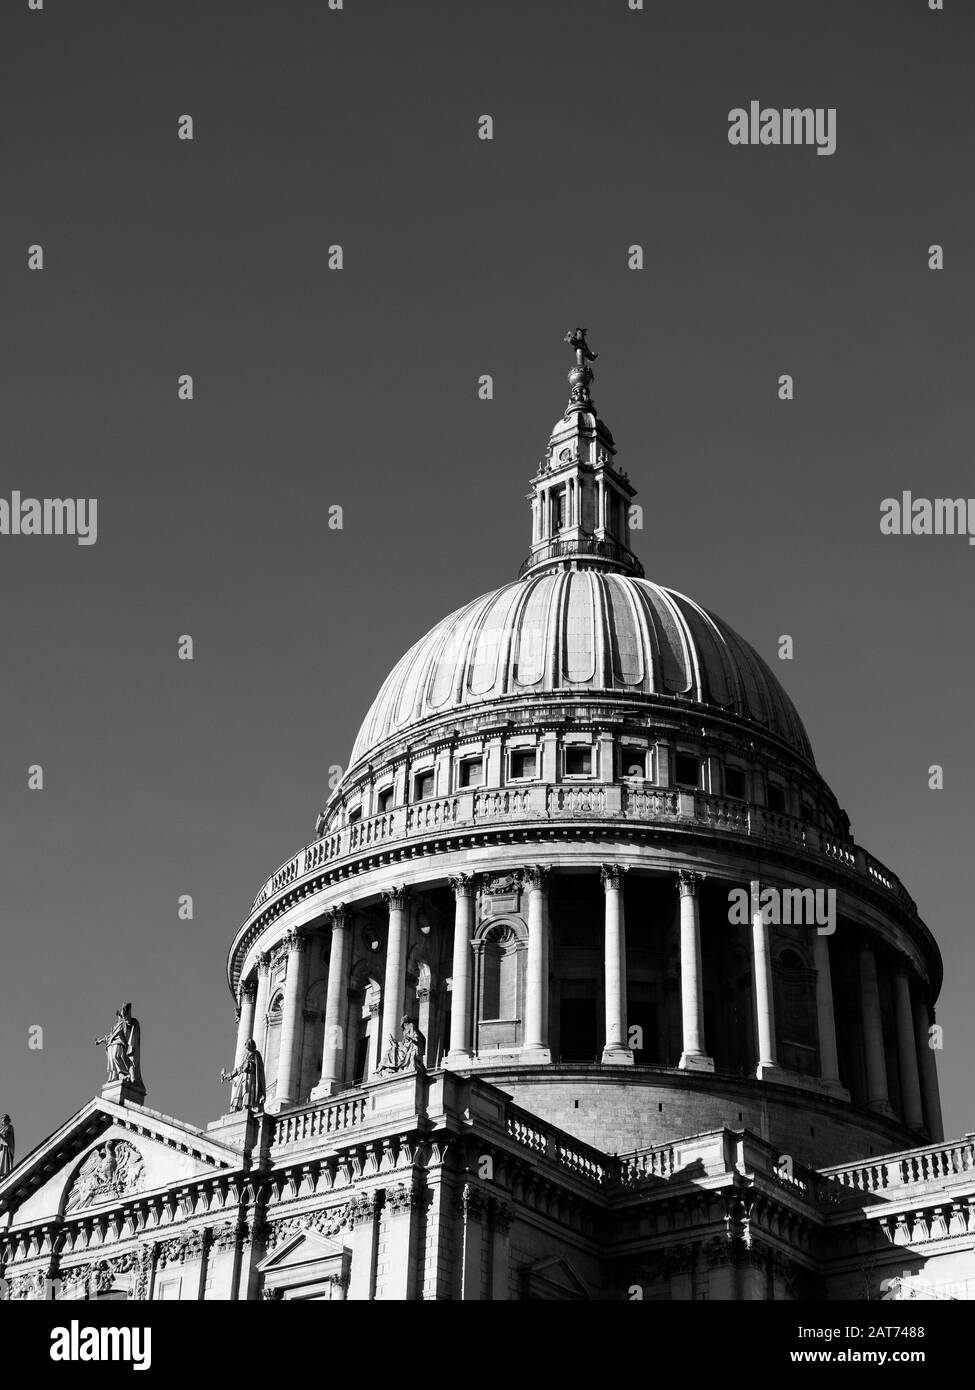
(407,1053)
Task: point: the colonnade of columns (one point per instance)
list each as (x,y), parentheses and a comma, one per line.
(919,1086)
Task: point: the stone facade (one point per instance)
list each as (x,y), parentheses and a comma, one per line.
(616,1087)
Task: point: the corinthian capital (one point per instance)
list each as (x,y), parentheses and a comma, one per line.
(463,885)
(688,882)
(612,875)
(536,876)
(396,898)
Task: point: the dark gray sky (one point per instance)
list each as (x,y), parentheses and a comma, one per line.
(462,257)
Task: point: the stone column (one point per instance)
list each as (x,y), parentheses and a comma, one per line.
(762,981)
(873,1036)
(829,1068)
(245,1018)
(394,984)
(471,1213)
(912,1111)
(928,1072)
(335,1043)
(260,1007)
(535,1047)
(615,1050)
(292,1019)
(694,1055)
(459,1054)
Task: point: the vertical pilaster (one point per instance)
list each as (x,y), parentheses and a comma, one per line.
(911,1107)
(260,1006)
(394,985)
(292,1018)
(335,1044)
(762,982)
(471,1210)
(829,1068)
(694,1056)
(460,1053)
(365,1210)
(245,1018)
(873,1036)
(615,1050)
(536,1047)
(928,1071)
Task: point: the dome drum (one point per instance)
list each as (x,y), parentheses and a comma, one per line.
(531,864)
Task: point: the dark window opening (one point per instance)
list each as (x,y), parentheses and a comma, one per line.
(578,762)
(423,786)
(355,815)
(634,762)
(384,801)
(472,772)
(776,799)
(523,762)
(734,783)
(578,1030)
(686,770)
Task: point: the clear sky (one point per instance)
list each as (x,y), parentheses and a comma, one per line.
(358,387)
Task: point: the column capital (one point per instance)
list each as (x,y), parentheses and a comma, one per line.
(248,988)
(396,898)
(611,875)
(338,917)
(263,962)
(463,885)
(295,940)
(688,882)
(536,876)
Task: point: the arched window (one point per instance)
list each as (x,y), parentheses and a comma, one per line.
(273,1045)
(500,953)
(795,1013)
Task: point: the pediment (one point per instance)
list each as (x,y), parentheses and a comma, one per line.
(554,1279)
(106,1154)
(302,1249)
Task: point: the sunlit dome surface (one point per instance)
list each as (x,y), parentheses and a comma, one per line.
(579,630)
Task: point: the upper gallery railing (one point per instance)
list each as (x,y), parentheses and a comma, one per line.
(938,1162)
(563,801)
(585,546)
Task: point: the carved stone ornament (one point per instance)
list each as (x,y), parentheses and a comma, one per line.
(113,1170)
(501,885)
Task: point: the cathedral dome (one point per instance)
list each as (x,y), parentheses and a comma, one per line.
(579,630)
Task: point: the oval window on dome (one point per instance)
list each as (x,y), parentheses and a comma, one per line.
(578,648)
(490,638)
(530,640)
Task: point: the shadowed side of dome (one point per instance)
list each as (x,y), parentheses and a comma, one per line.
(578,631)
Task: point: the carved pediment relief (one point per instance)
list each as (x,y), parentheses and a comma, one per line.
(113,1170)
